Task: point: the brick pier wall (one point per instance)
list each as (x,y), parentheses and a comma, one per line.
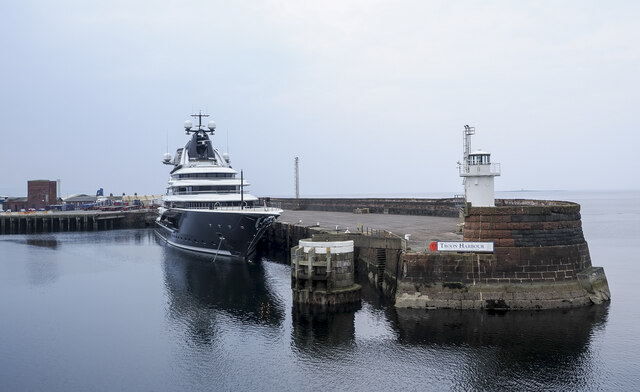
(532,244)
(536,243)
(540,260)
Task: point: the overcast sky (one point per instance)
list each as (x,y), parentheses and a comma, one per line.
(371,95)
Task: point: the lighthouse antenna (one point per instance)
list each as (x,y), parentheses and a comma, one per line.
(468,131)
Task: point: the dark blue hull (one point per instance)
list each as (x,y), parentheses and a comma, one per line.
(230,233)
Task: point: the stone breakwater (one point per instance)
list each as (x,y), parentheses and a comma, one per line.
(540,260)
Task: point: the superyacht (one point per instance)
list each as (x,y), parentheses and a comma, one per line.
(206,208)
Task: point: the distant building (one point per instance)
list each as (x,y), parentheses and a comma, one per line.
(41,193)
(79,199)
(15,203)
(143,200)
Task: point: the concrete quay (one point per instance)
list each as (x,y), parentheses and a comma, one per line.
(422,229)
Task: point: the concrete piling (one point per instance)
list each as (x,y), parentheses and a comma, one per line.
(48,222)
(322,274)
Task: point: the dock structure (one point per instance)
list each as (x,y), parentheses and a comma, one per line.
(539,257)
(69,221)
(322,274)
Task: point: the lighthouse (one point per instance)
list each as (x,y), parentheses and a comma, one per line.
(477,172)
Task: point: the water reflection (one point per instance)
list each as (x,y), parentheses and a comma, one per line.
(45,242)
(167,320)
(200,291)
(133,236)
(41,270)
(317,329)
(536,348)
(531,350)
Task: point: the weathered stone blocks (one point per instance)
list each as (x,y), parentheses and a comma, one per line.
(595,283)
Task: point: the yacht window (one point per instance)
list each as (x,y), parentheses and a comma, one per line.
(205,175)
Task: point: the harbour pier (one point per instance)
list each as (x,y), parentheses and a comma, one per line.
(540,258)
(63,221)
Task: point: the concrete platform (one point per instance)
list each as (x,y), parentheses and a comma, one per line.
(423,229)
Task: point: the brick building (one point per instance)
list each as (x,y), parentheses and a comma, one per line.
(15,203)
(41,193)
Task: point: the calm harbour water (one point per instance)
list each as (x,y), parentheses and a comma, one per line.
(118,311)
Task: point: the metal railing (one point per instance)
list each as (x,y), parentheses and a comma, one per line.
(267,207)
(245,208)
(470,170)
(222,192)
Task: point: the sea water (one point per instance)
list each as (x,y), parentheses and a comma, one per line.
(120,311)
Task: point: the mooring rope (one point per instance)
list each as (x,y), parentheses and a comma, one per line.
(218,251)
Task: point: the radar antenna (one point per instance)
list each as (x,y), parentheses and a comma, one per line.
(211,127)
(199,115)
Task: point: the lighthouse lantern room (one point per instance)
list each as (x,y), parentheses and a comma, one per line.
(477,173)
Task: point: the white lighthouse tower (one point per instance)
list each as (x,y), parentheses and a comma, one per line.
(477,173)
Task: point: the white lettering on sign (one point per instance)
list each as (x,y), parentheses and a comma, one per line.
(460,246)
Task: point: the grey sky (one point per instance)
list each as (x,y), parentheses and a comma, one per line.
(371,95)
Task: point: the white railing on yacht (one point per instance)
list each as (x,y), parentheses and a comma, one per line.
(247,208)
(270,207)
(203,192)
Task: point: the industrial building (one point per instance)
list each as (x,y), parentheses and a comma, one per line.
(40,194)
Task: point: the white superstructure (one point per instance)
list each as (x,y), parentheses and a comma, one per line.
(202,177)
(205,207)
(478,173)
